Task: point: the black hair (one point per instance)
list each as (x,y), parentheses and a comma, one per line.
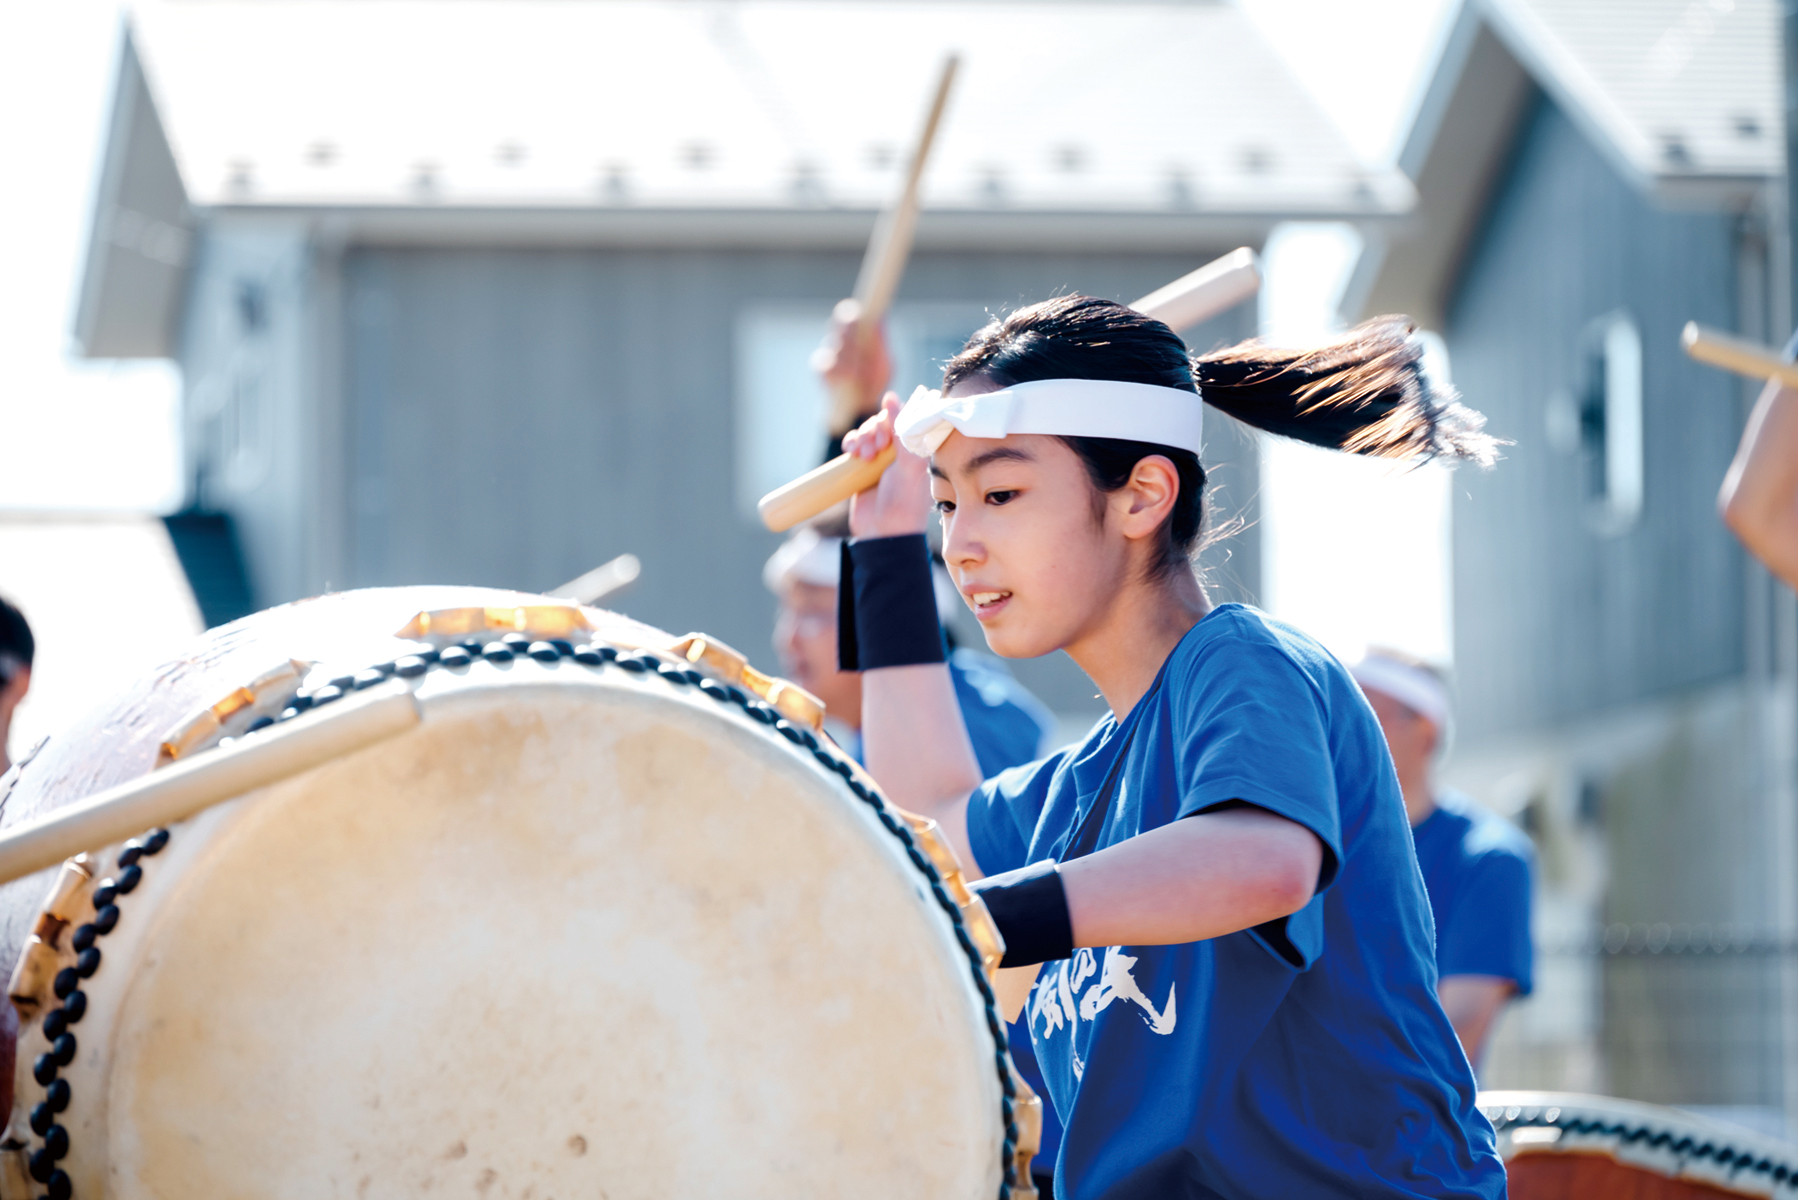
(1365,393)
(16,642)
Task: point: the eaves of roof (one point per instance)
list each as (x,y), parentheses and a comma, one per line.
(1133,125)
(1681,96)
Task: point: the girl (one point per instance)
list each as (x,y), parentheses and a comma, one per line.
(1237,996)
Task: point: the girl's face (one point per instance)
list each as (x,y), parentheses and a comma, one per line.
(1022,542)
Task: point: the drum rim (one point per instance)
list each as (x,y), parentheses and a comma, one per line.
(52,1140)
(1687,1136)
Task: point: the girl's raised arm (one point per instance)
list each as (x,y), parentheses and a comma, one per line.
(913,738)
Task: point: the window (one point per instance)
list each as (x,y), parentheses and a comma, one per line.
(781,404)
(1609,410)
(782,407)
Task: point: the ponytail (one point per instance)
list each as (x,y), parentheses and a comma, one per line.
(1365,393)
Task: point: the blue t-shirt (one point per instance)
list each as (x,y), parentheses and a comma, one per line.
(1306,1057)
(1476,868)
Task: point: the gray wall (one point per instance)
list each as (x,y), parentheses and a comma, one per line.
(516,417)
(1554,618)
(250,408)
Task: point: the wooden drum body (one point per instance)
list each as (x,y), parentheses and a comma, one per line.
(1562,1146)
(605,923)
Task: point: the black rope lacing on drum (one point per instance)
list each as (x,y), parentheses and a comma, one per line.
(1682,1145)
(42,1162)
(59,1023)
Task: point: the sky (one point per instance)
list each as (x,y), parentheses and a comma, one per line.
(1354,551)
(77,434)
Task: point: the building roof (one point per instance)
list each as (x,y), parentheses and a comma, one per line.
(1083,106)
(1148,123)
(1682,96)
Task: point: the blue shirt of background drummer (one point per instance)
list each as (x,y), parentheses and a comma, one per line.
(1476,866)
(1304,1057)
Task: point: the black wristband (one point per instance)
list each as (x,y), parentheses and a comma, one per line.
(886,605)
(1031,910)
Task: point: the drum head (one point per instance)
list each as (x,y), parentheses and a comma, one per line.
(582,932)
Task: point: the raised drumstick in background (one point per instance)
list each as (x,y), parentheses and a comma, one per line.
(889,246)
(1216,287)
(604,580)
(1735,354)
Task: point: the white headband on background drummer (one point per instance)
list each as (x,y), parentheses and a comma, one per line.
(1104,408)
(810,557)
(1418,689)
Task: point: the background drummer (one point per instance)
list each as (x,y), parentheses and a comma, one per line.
(17,649)
(1477,867)
(1006,724)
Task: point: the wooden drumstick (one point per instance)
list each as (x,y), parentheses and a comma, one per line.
(1736,354)
(191,786)
(1216,287)
(888,248)
(607,578)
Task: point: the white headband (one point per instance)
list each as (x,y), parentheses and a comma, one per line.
(1415,688)
(808,557)
(805,557)
(1106,408)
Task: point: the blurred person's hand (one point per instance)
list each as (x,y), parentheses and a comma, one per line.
(855,363)
(900,503)
(1759,497)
